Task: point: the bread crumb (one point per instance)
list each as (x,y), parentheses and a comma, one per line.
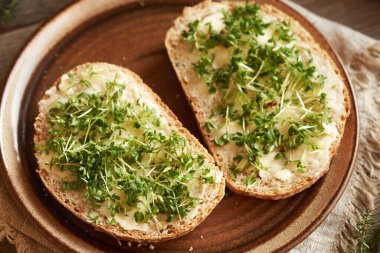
(191,249)
(129,244)
(202,236)
(151,247)
(139,245)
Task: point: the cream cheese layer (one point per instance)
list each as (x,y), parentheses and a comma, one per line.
(144,120)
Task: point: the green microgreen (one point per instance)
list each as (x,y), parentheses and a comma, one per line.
(121,154)
(7,8)
(262,79)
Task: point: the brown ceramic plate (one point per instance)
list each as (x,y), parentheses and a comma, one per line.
(131,34)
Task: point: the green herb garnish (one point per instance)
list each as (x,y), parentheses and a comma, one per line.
(366,237)
(122,155)
(7,8)
(263,78)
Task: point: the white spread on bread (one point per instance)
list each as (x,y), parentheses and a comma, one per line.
(70,85)
(199,47)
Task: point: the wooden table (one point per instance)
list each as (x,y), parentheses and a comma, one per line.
(30,14)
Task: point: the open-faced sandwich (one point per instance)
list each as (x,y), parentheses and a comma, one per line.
(269,99)
(112,153)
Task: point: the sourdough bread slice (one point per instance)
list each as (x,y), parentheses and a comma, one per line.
(197,45)
(200,179)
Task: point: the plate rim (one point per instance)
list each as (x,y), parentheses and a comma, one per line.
(289,9)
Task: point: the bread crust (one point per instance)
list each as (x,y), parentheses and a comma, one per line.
(74,200)
(278,189)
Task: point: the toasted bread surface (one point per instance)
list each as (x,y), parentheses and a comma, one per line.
(184,56)
(75,200)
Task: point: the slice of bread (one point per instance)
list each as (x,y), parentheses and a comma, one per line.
(276,179)
(92,78)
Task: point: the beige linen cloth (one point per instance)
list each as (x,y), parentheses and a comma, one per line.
(361,57)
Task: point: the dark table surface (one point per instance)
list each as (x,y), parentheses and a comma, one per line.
(363,15)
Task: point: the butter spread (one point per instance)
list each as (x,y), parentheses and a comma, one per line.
(311,159)
(98,75)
